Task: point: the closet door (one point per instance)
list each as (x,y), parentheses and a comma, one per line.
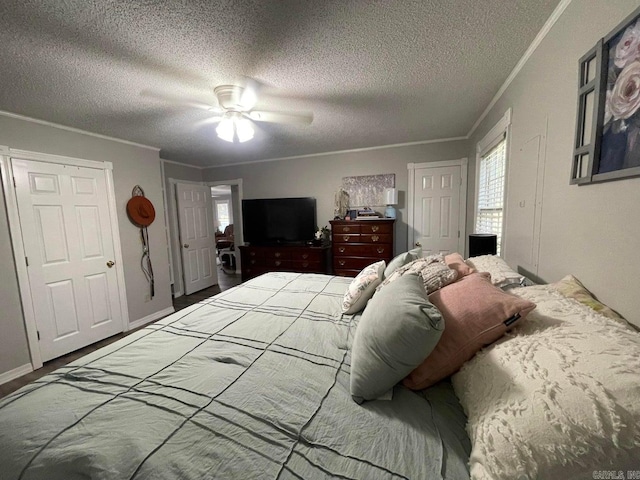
(68,242)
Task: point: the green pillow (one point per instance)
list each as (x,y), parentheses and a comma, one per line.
(398,329)
(401,260)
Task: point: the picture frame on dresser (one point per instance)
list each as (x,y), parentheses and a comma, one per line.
(356,244)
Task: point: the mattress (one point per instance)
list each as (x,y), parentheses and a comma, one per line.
(251,383)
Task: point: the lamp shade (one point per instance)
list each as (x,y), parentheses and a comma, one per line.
(482,244)
(390,196)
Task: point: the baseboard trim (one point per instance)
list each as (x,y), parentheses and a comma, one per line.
(150,318)
(15,373)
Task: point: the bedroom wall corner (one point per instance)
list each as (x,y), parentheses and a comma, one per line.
(587,230)
(14,349)
(131,165)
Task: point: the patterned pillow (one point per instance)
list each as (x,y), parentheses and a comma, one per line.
(432,269)
(362,288)
(571,287)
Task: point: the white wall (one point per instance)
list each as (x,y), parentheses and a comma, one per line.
(590,231)
(321,176)
(131,165)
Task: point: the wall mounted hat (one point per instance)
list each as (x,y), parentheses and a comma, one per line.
(141,211)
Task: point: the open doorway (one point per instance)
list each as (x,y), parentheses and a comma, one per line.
(226,198)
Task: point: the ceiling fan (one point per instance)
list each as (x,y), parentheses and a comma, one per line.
(235,112)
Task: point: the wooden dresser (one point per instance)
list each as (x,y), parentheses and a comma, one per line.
(358,243)
(256,260)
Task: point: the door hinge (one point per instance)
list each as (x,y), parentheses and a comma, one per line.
(26,260)
(38,332)
(14,183)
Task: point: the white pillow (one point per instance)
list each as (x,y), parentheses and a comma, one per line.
(557,397)
(501,273)
(362,288)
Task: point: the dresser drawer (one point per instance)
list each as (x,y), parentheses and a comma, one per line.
(345,272)
(376,238)
(307,266)
(276,264)
(353,263)
(307,254)
(349,229)
(362,250)
(346,238)
(375,227)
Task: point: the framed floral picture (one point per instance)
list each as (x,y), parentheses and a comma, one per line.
(607,142)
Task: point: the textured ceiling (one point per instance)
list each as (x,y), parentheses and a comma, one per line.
(373,72)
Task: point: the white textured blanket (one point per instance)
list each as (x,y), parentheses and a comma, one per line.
(558,397)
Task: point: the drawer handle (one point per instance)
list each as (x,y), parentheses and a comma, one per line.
(277,254)
(253,262)
(374,228)
(305,255)
(341,249)
(278,262)
(380,250)
(375,238)
(346,229)
(345,238)
(305,264)
(253,254)
(341,262)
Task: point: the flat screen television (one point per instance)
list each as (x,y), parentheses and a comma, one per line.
(273,221)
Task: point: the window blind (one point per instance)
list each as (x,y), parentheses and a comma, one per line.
(491,191)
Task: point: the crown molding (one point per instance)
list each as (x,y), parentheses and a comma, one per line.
(532,48)
(335,152)
(74,130)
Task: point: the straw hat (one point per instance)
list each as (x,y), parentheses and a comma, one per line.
(141,211)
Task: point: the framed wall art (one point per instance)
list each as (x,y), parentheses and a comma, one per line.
(607,140)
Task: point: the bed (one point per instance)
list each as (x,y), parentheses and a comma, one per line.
(258,382)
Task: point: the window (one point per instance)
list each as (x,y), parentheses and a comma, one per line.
(491,192)
(222,214)
(491,179)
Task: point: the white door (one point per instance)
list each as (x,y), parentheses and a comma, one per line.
(197,238)
(436,210)
(68,242)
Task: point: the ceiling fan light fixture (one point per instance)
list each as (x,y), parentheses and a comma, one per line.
(234,126)
(225,130)
(244,130)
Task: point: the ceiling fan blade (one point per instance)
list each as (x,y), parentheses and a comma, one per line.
(294,118)
(249,96)
(207,121)
(177,100)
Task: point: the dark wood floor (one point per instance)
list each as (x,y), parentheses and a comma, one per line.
(226,281)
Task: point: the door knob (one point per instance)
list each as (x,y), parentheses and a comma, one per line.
(186,245)
(110,263)
(418,244)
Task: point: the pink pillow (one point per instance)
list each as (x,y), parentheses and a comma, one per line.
(455,262)
(476,314)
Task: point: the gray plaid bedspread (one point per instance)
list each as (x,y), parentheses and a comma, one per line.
(250,384)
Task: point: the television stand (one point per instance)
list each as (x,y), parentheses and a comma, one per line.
(258,259)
